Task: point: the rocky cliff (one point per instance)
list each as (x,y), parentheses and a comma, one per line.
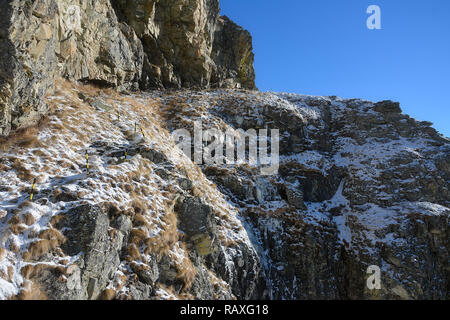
(164,44)
(98,201)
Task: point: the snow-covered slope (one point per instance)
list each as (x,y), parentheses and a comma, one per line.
(359,184)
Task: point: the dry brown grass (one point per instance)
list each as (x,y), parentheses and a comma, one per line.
(15,225)
(144,190)
(28,219)
(13,247)
(185,296)
(17,229)
(129,134)
(38,249)
(111,208)
(169,290)
(56,219)
(31,271)
(167,238)
(40,153)
(2,253)
(52,234)
(147,109)
(138,235)
(26,203)
(126,187)
(227,242)
(4,167)
(10,273)
(108,294)
(22,171)
(140,221)
(63,86)
(186,271)
(133,252)
(124,296)
(140,208)
(31,291)
(14,220)
(50,239)
(73,114)
(120,280)
(24,138)
(113,234)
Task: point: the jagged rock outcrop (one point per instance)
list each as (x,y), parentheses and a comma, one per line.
(88,232)
(188,45)
(93,45)
(28,62)
(177,37)
(157,44)
(233,56)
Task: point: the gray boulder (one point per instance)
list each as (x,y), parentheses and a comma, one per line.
(86,230)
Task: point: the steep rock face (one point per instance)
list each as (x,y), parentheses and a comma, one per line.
(233,55)
(188,45)
(81,40)
(27,64)
(177,37)
(158,44)
(93,46)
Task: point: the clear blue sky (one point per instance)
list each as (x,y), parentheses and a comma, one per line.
(323,47)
